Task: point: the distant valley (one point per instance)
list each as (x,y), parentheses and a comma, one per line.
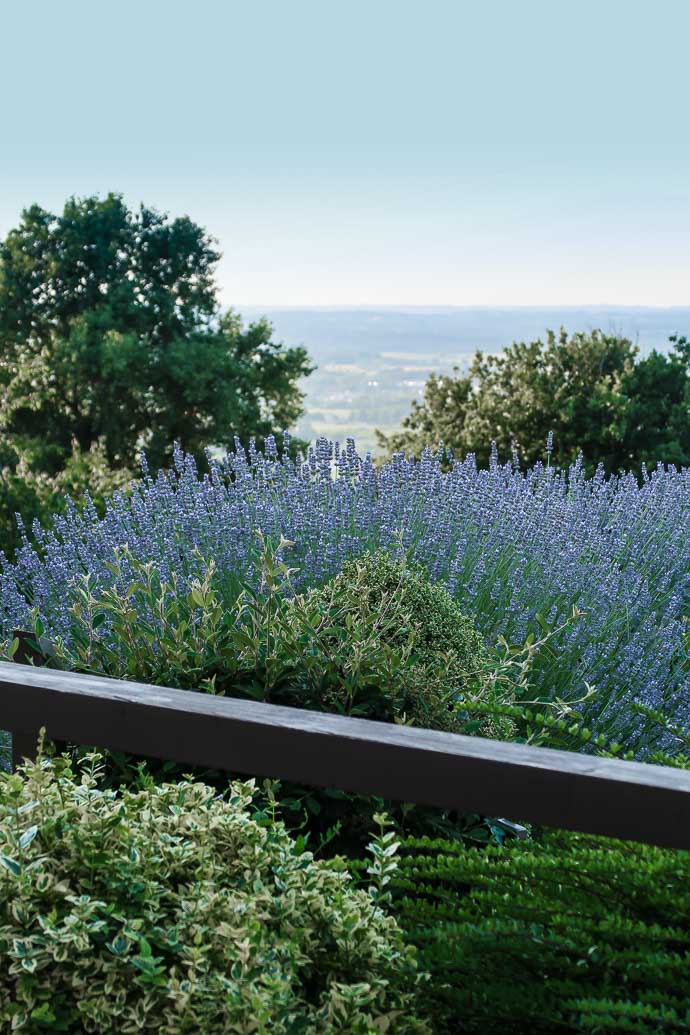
(373,361)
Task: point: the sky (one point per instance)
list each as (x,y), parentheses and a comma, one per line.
(381,152)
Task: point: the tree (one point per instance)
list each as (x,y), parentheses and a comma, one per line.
(111,333)
(657,426)
(592,391)
(35,495)
(233,381)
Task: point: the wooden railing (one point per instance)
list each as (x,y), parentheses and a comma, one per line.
(556,788)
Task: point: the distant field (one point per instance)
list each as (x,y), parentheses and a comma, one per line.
(354,399)
(373,362)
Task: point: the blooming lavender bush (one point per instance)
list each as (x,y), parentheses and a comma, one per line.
(515,548)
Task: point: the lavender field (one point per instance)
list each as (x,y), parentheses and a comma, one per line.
(517,549)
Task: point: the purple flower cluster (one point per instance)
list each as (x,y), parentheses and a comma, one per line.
(508,544)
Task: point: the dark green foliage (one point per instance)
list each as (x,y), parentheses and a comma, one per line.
(110,331)
(39,496)
(19,494)
(171,910)
(593,391)
(567,934)
(657,417)
(678,753)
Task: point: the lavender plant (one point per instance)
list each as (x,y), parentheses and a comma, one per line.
(517,549)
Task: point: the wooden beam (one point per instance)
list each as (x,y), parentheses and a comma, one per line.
(557,788)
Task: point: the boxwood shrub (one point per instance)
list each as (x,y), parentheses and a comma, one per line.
(410,648)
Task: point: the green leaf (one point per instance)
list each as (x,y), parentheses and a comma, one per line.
(27,837)
(43,1014)
(11,864)
(118,946)
(541,621)
(27,807)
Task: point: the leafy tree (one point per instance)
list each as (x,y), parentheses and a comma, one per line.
(231,381)
(657,426)
(110,331)
(591,390)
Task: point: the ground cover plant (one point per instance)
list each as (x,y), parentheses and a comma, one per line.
(172,910)
(516,550)
(565,933)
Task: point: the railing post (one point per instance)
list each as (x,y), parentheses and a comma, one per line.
(23,747)
(32,650)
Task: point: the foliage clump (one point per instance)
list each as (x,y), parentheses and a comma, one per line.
(28,495)
(569,933)
(408,619)
(171,910)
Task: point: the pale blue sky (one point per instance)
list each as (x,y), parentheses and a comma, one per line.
(389,152)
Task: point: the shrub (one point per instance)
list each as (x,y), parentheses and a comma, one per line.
(380,606)
(570,934)
(590,394)
(170,910)
(378,641)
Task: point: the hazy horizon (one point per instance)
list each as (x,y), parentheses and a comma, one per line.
(445,154)
(412,308)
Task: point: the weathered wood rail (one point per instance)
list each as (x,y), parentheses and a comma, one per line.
(557,788)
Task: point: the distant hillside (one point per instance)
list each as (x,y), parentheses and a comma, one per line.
(374,361)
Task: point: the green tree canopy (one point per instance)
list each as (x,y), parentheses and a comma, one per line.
(593,391)
(111,333)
